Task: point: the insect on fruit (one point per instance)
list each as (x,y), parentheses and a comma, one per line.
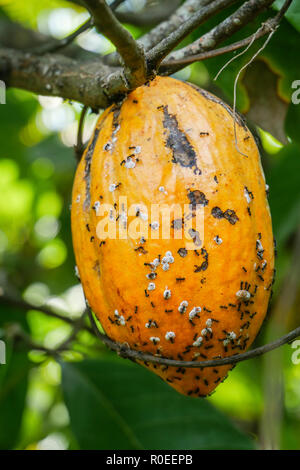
(167,142)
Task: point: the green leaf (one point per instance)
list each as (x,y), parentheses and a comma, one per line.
(13,389)
(284,197)
(292,122)
(115,405)
(293,13)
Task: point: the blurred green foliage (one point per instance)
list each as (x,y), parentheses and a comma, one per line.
(104,402)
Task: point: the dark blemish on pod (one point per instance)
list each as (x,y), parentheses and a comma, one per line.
(183,152)
(203,134)
(182,252)
(229,215)
(217,213)
(202,267)
(177,224)
(194,234)
(197,197)
(96,267)
(87,169)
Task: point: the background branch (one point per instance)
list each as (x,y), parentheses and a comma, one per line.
(123,349)
(19,303)
(162,49)
(56,75)
(131,52)
(242,16)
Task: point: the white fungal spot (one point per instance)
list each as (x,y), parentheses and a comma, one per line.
(154,339)
(168,258)
(112,187)
(155,225)
(247,195)
(183,306)
(119,318)
(198,342)
(165,267)
(151,286)
(259,246)
(243,294)
(129,163)
(137,150)
(107,146)
(151,324)
(161,189)
(264,264)
(194,312)
(78,198)
(218,240)
(143,216)
(151,276)
(155,262)
(167,293)
(232,335)
(170,335)
(205,331)
(209,322)
(76,272)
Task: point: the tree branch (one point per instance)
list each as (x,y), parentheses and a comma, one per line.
(161,31)
(265,28)
(162,49)
(181,15)
(150,15)
(15,36)
(242,16)
(21,304)
(270,25)
(124,351)
(131,52)
(56,45)
(56,75)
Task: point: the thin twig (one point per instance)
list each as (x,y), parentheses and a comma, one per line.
(79,147)
(242,16)
(265,28)
(131,52)
(163,29)
(235,87)
(124,351)
(55,46)
(21,304)
(254,37)
(161,50)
